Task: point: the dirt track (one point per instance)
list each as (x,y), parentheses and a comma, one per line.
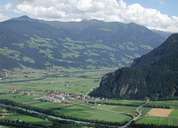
(158,112)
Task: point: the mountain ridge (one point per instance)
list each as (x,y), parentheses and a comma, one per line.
(27,42)
(154,75)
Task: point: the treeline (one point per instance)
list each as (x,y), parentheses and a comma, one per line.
(151,126)
(22,124)
(19,124)
(151,105)
(112,103)
(166,99)
(158,106)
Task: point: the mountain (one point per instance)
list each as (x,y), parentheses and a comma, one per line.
(153,75)
(27,42)
(162,33)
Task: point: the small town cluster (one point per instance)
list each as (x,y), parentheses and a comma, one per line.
(53,96)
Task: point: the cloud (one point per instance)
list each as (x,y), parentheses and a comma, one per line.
(68,10)
(3,10)
(3,17)
(151,18)
(107,10)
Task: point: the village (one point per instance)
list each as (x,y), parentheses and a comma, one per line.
(3,74)
(53,96)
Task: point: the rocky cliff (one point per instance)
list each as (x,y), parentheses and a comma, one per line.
(153,75)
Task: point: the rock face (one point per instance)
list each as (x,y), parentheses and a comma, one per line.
(153,75)
(27,42)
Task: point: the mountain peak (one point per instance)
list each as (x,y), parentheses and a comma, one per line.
(24,18)
(92,21)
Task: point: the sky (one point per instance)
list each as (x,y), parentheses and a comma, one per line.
(169,7)
(154,14)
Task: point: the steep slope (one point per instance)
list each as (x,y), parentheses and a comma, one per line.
(153,75)
(163,34)
(26,42)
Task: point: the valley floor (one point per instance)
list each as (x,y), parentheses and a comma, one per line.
(62,93)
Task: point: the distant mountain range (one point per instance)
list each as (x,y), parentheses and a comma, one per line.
(154,75)
(27,42)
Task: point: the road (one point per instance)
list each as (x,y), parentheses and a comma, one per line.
(139,111)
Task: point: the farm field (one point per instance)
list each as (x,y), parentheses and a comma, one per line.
(98,113)
(170,120)
(36,88)
(13,116)
(74,81)
(78,109)
(25,118)
(16,117)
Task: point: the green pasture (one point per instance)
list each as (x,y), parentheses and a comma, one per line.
(167,103)
(98,113)
(74,81)
(25,118)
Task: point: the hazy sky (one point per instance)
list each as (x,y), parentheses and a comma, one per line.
(157,14)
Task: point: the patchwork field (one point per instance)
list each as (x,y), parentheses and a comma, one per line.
(70,81)
(160,117)
(64,92)
(78,109)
